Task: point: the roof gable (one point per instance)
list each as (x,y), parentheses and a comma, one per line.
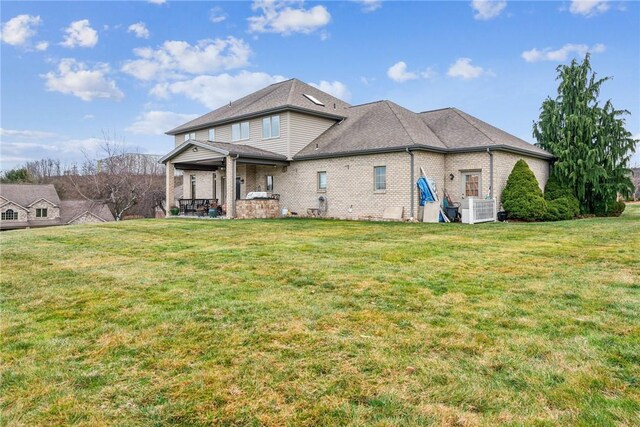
(26,194)
(41,199)
(223,149)
(289,94)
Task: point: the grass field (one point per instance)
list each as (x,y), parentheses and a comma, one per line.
(312,322)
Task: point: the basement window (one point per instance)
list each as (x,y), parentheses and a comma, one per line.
(313,99)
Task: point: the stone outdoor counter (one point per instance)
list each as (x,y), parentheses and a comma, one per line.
(257,208)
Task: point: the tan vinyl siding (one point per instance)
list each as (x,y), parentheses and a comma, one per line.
(275,145)
(304,128)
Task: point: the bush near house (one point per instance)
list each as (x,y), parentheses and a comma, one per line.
(562,204)
(612,208)
(522,197)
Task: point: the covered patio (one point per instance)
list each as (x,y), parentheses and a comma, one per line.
(220,176)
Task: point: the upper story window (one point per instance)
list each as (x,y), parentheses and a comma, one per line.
(271,127)
(322,181)
(41,212)
(212,134)
(240,131)
(9,215)
(379,178)
(188,136)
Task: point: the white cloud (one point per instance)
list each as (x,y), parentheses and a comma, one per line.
(368,6)
(280,17)
(589,8)
(77,79)
(25,134)
(559,55)
(367,80)
(88,117)
(15,152)
(487,9)
(462,68)
(18,30)
(80,33)
(42,45)
(176,58)
(335,88)
(158,122)
(217,15)
(157,1)
(429,74)
(398,72)
(215,91)
(140,29)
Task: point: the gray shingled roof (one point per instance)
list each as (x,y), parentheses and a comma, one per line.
(377,126)
(225,149)
(69,209)
(460,131)
(288,94)
(26,194)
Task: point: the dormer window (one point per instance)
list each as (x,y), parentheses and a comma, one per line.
(313,99)
(188,136)
(271,127)
(41,212)
(240,131)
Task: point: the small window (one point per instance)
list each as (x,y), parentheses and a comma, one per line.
(471,182)
(269,182)
(322,181)
(313,99)
(212,134)
(271,127)
(193,186)
(41,212)
(9,215)
(379,178)
(240,131)
(188,136)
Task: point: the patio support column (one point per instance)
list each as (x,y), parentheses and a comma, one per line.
(231,186)
(170,171)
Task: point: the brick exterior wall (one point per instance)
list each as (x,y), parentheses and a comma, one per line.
(350,193)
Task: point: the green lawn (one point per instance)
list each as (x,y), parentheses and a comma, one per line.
(312,322)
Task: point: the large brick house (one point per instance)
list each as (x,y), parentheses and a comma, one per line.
(315,150)
(31,205)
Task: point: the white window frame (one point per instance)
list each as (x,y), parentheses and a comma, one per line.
(269,183)
(6,217)
(190,135)
(269,122)
(375,181)
(463,181)
(212,134)
(240,127)
(193,180)
(326,181)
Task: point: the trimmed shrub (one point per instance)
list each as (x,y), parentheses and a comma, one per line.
(522,197)
(561,202)
(613,208)
(560,209)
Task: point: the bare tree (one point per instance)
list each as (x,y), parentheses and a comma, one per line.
(116,178)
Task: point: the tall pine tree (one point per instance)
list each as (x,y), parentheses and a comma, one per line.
(590,141)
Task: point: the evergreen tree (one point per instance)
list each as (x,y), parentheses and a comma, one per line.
(522,197)
(590,141)
(14,176)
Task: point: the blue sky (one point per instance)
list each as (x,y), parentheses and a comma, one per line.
(73,70)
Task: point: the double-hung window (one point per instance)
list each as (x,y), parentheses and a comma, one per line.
(240,131)
(188,136)
(271,127)
(212,134)
(379,178)
(41,212)
(322,181)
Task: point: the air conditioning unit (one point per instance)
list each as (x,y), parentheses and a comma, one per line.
(475,210)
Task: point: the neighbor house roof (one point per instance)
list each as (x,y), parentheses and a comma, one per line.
(287,95)
(71,209)
(225,149)
(26,194)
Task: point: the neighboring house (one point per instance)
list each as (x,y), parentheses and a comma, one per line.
(29,205)
(316,151)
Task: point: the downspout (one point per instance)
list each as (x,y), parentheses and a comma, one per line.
(490,172)
(411,185)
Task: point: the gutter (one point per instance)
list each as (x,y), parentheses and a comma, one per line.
(490,172)
(409,152)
